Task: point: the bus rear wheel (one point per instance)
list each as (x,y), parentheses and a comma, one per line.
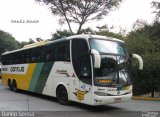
(10,85)
(14,86)
(62,95)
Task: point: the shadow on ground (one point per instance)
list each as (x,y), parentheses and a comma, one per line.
(84,107)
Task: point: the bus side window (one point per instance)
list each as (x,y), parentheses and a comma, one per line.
(4,60)
(85,66)
(81,60)
(33,56)
(62,51)
(15,58)
(11,59)
(28,56)
(49,54)
(42,54)
(23,57)
(37,53)
(19,59)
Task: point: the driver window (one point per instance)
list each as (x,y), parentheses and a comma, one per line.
(81,60)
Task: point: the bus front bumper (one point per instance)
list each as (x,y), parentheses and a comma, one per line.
(104,100)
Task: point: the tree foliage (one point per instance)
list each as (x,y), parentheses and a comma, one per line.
(110,34)
(7,42)
(87,31)
(140,23)
(146,42)
(59,34)
(65,33)
(156,5)
(80,11)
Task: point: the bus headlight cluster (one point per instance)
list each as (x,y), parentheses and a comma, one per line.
(100,93)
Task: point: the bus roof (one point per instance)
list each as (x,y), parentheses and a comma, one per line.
(85,36)
(88,36)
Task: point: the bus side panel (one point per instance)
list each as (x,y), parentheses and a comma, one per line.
(42,79)
(60,74)
(4,79)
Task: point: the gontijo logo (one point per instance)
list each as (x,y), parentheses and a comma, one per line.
(80,94)
(17,69)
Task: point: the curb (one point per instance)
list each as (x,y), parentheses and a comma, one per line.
(145,98)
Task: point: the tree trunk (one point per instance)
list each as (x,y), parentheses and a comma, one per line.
(69,24)
(80,27)
(64,13)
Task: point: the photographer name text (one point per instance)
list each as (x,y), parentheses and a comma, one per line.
(17,114)
(25,21)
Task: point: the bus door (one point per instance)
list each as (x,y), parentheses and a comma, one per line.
(81,88)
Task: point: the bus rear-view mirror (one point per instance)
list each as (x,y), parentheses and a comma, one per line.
(140,60)
(97,58)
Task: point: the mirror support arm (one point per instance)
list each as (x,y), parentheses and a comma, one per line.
(139,59)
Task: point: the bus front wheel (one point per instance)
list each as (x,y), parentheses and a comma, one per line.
(62,95)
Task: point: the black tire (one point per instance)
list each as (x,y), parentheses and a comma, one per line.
(10,85)
(62,95)
(14,86)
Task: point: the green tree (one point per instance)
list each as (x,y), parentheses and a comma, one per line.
(145,41)
(104,30)
(65,33)
(7,42)
(110,34)
(59,34)
(87,31)
(156,5)
(140,23)
(80,11)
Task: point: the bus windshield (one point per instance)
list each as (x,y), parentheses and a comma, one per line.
(115,67)
(105,46)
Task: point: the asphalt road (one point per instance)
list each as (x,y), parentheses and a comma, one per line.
(48,106)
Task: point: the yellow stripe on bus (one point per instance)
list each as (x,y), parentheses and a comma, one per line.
(29,73)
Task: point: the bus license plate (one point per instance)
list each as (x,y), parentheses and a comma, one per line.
(117,99)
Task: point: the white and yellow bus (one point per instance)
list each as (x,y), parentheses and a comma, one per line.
(89,69)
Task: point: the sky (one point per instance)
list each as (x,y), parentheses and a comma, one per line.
(46,23)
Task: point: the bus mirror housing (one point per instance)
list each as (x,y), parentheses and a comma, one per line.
(97,58)
(139,59)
